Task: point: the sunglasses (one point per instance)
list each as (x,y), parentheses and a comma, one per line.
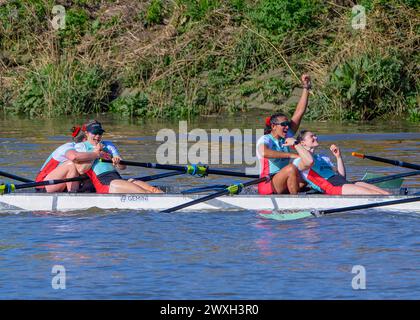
(283,124)
(96,132)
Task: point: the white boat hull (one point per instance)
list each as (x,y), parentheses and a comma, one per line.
(70,202)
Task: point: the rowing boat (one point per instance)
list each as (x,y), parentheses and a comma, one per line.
(21,202)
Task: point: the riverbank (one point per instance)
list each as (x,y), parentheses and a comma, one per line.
(181,59)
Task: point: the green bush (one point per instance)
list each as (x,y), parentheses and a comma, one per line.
(62,89)
(368,86)
(132,106)
(274,89)
(370,4)
(154,13)
(19,19)
(197,9)
(76,26)
(413,106)
(278,17)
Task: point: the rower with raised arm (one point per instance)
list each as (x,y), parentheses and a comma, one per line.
(319,171)
(104,175)
(274,156)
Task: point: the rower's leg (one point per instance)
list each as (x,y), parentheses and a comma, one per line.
(286,180)
(84,167)
(372,187)
(66,170)
(353,189)
(123,186)
(145,186)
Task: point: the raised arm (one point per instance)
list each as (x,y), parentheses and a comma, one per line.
(302,104)
(340,163)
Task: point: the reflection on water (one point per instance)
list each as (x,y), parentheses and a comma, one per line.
(301,235)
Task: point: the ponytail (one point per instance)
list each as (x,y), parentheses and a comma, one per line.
(77,134)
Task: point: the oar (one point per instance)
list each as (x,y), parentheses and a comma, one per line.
(12,176)
(158,176)
(318,213)
(190,169)
(389,161)
(233,189)
(10,187)
(205,188)
(391,177)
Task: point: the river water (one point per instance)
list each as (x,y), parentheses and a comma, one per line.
(117,254)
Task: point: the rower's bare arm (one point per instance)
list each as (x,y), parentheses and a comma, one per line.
(80,157)
(269,153)
(306,157)
(302,104)
(82,160)
(341,169)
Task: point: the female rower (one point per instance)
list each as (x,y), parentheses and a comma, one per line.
(319,172)
(62,164)
(103,175)
(274,157)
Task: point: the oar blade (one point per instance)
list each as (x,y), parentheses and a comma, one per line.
(286,216)
(391,184)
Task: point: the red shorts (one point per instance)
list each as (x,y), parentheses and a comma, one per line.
(265,188)
(102,182)
(333,190)
(46,170)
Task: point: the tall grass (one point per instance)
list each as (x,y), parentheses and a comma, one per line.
(61,89)
(182,58)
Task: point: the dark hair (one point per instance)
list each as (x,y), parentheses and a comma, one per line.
(88,123)
(78,134)
(301,135)
(270,120)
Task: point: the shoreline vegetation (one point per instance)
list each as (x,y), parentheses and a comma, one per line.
(178,59)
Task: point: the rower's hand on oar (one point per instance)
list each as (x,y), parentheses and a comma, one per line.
(335,151)
(116,163)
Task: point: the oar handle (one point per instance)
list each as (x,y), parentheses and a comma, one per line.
(199,170)
(148,165)
(358,155)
